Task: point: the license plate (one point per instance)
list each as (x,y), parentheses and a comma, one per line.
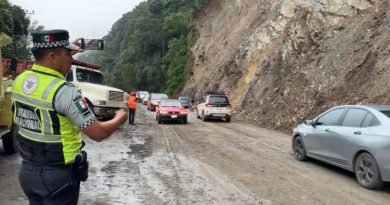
(174,116)
(219,108)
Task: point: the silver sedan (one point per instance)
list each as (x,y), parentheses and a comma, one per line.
(353,137)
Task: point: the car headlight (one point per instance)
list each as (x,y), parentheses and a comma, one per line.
(99,102)
(163,112)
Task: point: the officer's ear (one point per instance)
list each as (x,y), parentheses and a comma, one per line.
(51,54)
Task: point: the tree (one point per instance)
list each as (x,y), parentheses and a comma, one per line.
(15,23)
(148,47)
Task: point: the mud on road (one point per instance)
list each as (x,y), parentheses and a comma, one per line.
(201,163)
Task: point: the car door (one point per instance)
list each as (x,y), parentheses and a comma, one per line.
(352,127)
(317,135)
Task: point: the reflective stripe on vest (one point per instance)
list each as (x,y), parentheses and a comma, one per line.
(36,116)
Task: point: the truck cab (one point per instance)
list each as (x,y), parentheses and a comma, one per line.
(102,99)
(8,130)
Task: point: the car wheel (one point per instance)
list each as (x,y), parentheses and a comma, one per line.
(10,140)
(367,172)
(197,114)
(299,149)
(228,118)
(159,121)
(204,119)
(184,121)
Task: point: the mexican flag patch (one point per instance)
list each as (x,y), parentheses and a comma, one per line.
(48,38)
(81,104)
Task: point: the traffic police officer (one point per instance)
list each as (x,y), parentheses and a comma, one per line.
(50,114)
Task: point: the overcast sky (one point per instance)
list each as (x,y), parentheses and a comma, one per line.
(82,18)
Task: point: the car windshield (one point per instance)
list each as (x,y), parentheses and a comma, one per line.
(159,96)
(89,76)
(218,99)
(170,103)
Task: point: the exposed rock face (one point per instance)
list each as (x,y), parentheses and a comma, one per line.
(282,61)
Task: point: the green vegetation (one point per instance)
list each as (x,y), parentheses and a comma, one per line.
(15,23)
(148,47)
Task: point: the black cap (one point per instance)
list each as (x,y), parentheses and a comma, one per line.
(52,39)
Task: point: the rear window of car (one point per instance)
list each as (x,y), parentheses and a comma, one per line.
(184,99)
(170,104)
(218,99)
(159,96)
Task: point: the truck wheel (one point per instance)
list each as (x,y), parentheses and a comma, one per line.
(10,140)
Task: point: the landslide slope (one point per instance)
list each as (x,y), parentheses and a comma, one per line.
(283,61)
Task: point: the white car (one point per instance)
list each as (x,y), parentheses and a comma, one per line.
(214,107)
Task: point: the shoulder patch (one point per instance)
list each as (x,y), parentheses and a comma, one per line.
(82,105)
(30,84)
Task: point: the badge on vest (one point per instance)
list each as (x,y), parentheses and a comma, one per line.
(82,105)
(30,84)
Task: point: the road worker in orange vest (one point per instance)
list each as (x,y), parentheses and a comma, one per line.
(132,103)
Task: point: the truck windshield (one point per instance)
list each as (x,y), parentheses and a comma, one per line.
(89,76)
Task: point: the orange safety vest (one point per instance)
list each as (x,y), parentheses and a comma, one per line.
(132,103)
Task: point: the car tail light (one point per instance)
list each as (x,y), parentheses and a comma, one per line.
(208,104)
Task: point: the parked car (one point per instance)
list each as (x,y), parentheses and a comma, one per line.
(214,107)
(169,110)
(353,137)
(154,99)
(141,95)
(185,101)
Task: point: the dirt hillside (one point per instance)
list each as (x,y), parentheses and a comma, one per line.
(284,61)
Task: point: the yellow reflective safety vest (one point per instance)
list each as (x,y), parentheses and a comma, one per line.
(45,136)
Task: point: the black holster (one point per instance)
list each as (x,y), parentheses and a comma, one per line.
(81,166)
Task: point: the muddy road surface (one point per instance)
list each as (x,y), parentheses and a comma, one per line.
(201,163)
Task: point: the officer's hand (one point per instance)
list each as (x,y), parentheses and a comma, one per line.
(77,42)
(122,116)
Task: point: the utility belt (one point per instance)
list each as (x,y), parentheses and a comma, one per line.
(49,156)
(79,168)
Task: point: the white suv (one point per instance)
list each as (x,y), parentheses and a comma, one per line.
(214,107)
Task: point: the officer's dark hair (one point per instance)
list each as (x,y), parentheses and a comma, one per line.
(39,53)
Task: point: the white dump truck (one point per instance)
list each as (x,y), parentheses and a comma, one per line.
(104,100)
(8,130)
